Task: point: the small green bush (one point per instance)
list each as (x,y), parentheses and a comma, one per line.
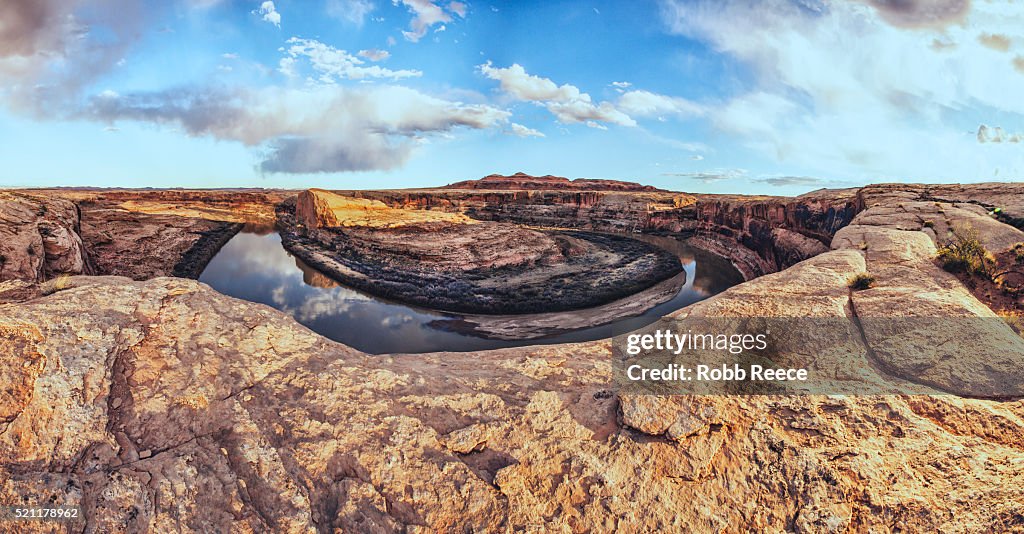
(929,224)
(966,253)
(861,281)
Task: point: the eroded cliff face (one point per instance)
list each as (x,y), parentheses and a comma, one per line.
(759,234)
(140,234)
(446,260)
(40,238)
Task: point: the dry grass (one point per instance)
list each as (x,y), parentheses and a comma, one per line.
(60,283)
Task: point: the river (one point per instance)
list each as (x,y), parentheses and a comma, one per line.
(254,266)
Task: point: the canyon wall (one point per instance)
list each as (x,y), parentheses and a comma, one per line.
(759,234)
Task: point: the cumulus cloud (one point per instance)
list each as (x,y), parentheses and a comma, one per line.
(374,54)
(320,129)
(515,81)
(331,64)
(427,14)
(848,88)
(997,135)
(566,102)
(523,131)
(352,11)
(268,12)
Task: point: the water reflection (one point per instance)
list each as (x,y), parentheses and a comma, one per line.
(255,267)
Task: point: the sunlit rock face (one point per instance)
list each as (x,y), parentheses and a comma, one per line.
(316,208)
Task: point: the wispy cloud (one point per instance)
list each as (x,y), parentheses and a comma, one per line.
(427,14)
(784,181)
(331,64)
(374,54)
(523,131)
(709,177)
(352,11)
(881,109)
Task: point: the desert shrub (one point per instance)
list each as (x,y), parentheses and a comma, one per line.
(966,253)
(929,224)
(1018,249)
(60,283)
(1014,319)
(861,281)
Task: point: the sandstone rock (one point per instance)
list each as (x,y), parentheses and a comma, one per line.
(254,423)
(316,208)
(39,238)
(477,267)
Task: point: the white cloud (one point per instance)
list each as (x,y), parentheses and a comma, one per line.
(269,13)
(229,55)
(458,8)
(648,104)
(427,14)
(712,176)
(997,135)
(331,64)
(321,129)
(846,88)
(353,11)
(374,54)
(566,102)
(523,131)
(515,81)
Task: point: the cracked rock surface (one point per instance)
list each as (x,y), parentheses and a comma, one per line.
(163,406)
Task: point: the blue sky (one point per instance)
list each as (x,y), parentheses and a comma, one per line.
(732,96)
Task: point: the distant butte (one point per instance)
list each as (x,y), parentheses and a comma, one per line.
(523,181)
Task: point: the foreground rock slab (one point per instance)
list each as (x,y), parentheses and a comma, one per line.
(164,406)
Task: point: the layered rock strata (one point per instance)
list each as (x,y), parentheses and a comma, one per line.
(165,406)
(759,234)
(448,261)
